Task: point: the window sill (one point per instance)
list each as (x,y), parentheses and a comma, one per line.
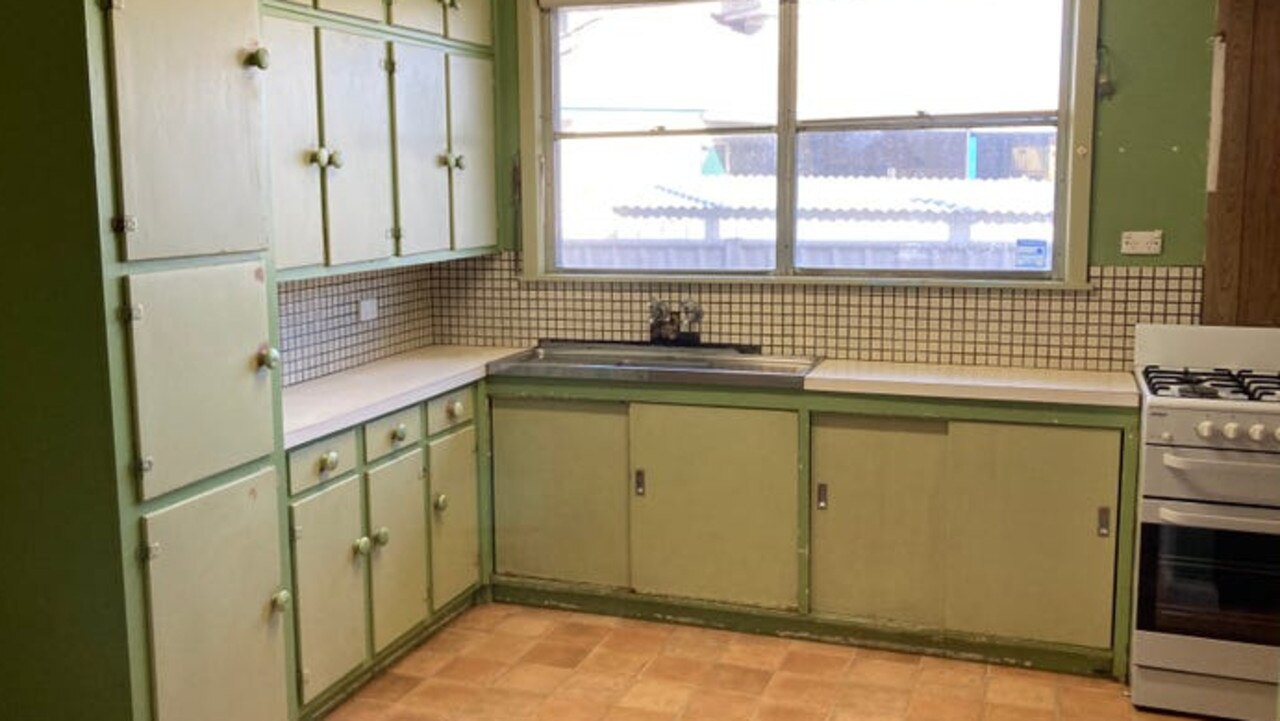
(825,279)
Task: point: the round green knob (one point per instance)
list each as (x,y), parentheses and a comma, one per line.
(382,536)
(441,502)
(281,600)
(362,546)
(400,433)
(335,160)
(259,58)
(269,358)
(329,461)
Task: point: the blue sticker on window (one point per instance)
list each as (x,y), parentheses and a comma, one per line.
(1032,255)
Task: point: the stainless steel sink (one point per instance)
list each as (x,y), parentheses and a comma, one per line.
(712,365)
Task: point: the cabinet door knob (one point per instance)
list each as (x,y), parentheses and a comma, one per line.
(445,160)
(335,160)
(460,162)
(441,502)
(823,497)
(400,433)
(454,409)
(382,536)
(319,156)
(281,600)
(269,358)
(259,58)
(329,461)
(362,546)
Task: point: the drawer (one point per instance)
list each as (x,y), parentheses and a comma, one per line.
(391,433)
(449,410)
(318,462)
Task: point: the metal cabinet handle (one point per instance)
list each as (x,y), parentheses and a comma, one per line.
(335,160)
(823,500)
(1104,521)
(329,461)
(269,358)
(280,600)
(259,58)
(382,536)
(640,483)
(400,433)
(362,546)
(1219,523)
(441,502)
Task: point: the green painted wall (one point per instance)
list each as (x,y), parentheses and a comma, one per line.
(1152,136)
(62,599)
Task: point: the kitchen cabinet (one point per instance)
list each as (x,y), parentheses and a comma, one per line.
(207,323)
(398,536)
(189,127)
(560,489)
(217,605)
(878,544)
(445,140)
(367,9)
(1031,547)
(466,20)
(714,503)
(455,518)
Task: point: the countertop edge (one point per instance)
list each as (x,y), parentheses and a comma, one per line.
(960,390)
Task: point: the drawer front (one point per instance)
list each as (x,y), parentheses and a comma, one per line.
(1211,475)
(318,462)
(391,433)
(451,409)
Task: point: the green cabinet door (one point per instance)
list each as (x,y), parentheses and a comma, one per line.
(470,21)
(189,127)
(560,490)
(329,572)
(877,527)
(1025,556)
(422,149)
(427,15)
(714,503)
(398,545)
(217,606)
(455,516)
(367,9)
(471,125)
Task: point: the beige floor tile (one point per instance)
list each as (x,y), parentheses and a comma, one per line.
(676,668)
(498,704)
(550,653)
(770,711)
(881,672)
(533,677)
(577,633)
(389,686)
(400,712)
(474,671)
(656,695)
(360,709)
(949,672)
(710,705)
(453,640)
(739,679)
(873,701)
(602,660)
(518,624)
(501,647)
(1077,704)
(813,694)
(1028,693)
(605,688)
(816,664)
(697,644)
(422,662)
(622,713)
(485,617)
(563,708)
(637,641)
(842,714)
(928,706)
(762,656)
(442,696)
(997,712)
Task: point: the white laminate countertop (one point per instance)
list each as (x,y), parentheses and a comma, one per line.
(1031,385)
(327,405)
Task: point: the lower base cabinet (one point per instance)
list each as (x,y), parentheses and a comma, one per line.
(455,516)
(217,604)
(398,552)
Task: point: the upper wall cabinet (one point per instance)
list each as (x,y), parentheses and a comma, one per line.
(475,209)
(466,20)
(422,141)
(367,9)
(190,127)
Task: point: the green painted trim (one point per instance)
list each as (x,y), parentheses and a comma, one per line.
(804,502)
(506,79)
(1029,654)
(393,263)
(1126,549)
(370,28)
(484,477)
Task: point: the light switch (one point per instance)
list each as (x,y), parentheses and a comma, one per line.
(1142,242)
(368,310)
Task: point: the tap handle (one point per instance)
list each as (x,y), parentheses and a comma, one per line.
(691,312)
(659,311)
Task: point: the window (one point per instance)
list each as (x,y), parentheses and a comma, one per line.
(920,140)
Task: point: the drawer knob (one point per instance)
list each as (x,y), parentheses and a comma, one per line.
(441,502)
(335,160)
(319,156)
(269,358)
(329,461)
(362,546)
(454,409)
(382,536)
(400,433)
(259,58)
(281,600)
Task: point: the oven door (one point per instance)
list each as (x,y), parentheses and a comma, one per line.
(1209,589)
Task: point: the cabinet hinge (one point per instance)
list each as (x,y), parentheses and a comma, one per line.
(148,552)
(146,464)
(124,224)
(131,313)
(397,234)
(389,65)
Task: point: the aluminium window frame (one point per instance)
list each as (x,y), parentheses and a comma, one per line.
(1073,118)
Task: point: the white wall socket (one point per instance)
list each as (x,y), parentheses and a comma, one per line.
(368,310)
(1142,242)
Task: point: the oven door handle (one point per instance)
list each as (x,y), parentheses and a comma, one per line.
(1220,523)
(1182,463)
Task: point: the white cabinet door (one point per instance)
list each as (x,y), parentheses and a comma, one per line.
(190,127)
(398,529)
(202,397)
(422,141)
(455,533)
(357,133)
(330,575)
(425,15)
(217,637)
(368,9)
(470,21)
(475,210)
(297,222)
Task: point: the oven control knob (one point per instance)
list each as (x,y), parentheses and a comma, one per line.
(1277,434)
(1205,429)
(1231,431)
(1257,433)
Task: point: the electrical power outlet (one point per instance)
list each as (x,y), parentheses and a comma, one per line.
(1142,242)
(368,310)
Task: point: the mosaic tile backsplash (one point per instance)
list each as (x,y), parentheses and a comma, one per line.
(482,301)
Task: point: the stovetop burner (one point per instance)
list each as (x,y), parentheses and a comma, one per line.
(1213,383)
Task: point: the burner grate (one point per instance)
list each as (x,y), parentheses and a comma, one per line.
(1261,386)
(1219,383)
